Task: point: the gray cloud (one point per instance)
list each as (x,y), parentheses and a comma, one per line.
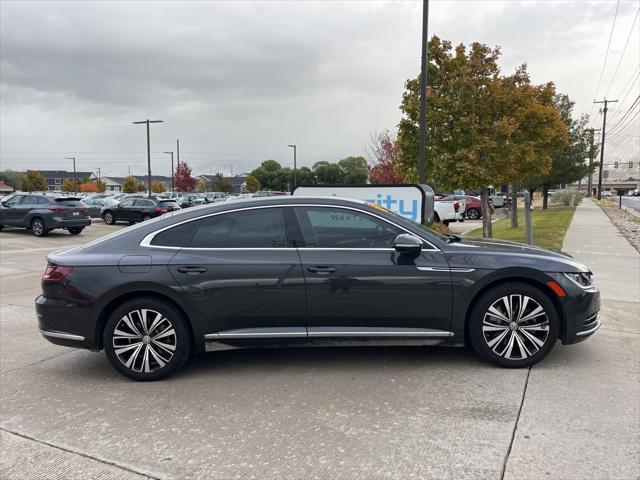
(238,81)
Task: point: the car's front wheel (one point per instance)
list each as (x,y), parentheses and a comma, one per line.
(146,339)
(514,325)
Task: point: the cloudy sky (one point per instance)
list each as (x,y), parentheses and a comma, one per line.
(239,81)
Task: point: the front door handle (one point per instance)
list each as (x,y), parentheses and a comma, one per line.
(322,269)
(192,270)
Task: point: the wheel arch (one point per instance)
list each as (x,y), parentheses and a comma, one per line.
(536,282)
(115,302)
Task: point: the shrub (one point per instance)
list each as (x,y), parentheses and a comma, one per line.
(440,228)
(564,197)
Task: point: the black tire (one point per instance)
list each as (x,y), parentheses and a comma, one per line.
(75,230)
(436,217)
(146,217)
(38,227)
(146,349)
(1,227)
(109,218)
(446,223)
(487,343)
(473,214)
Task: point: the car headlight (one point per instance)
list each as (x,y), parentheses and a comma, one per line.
(582,279)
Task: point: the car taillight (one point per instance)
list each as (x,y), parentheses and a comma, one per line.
(456,206)
(56,209)
(160,210)
(56,273)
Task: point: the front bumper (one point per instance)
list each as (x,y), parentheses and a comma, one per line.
(581,309)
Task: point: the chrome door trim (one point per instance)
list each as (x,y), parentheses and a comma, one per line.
(446,269)
(273,332)
(64,335)
(591,330)
(146,241)
(375,332)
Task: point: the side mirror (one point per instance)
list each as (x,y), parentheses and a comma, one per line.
(406,243)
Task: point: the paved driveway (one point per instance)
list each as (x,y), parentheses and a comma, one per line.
(309,413)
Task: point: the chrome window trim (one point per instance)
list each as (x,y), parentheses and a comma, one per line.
(146,241)
(570,278)
(445,269)
(66,336)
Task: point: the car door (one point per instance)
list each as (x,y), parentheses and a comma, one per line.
(141,207)
(243,275)
(357,282)
(10,212)
(124,210)
(28,203)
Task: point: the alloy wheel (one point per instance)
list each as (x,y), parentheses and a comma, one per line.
(144,340)
(37,227)
(108,218)
(515,327)
(473,214)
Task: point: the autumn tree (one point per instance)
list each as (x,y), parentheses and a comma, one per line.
(33,181)
(130,185)
(383,156)
(157,187)
(101,186)
(253,184)
(141,186)
(70,185)
(567,164)
(183,180)
(483,128)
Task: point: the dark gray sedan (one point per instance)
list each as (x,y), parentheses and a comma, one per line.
(307,271)
(42,213)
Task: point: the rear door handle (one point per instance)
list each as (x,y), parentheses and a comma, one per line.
(192,270)
(322,269)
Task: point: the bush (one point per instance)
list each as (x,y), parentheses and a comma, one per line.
(440,228)
(564,197)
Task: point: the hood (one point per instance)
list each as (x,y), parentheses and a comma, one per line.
(492,254)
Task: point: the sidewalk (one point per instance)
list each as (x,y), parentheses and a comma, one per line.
(581,412)
(594,241)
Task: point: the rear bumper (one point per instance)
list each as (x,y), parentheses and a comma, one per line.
(58,222)
(66,324)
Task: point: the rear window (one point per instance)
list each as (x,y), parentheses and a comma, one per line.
(69,202)
(179,236)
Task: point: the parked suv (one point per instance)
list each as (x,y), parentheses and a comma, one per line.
(134,210)
(42,213)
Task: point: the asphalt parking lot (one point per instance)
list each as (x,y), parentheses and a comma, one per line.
(393,413)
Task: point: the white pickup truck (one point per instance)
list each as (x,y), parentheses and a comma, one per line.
(447,211)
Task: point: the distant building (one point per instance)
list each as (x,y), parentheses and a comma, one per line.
(114,184)
(4,188)
(55,178)
(238,181)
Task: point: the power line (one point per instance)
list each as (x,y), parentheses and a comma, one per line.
(606,55)
(628,123)
(626,114)
(623,52)
(630,85)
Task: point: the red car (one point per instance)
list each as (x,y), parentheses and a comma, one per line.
(473,210)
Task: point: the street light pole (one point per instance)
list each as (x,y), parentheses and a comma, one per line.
(147,121)
(74,169)
(424,69)
(295,167)
(173,186)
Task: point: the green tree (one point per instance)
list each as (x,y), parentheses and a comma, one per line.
(328,173)
(354,170)
(223,185)
(33,181)
(271,176)
(483,128)
(202,185)
(70,185)
(304,176)
(129,185)
(253,184)
(568,164)
(12,178)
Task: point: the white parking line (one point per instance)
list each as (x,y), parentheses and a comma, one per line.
(39,249)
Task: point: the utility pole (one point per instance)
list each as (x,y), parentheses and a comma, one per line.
(604,126)
(295,168)
(173,183)
(147,121)
(591,152)
(423,93)
(178,149)
(74,170)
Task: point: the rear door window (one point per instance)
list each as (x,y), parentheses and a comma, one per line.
(259,228)
(178,236)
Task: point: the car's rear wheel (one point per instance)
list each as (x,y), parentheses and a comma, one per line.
(108,218)
(76,230)
(473,214)
(146,339)
(38,227)
(146,217)
(514,325)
